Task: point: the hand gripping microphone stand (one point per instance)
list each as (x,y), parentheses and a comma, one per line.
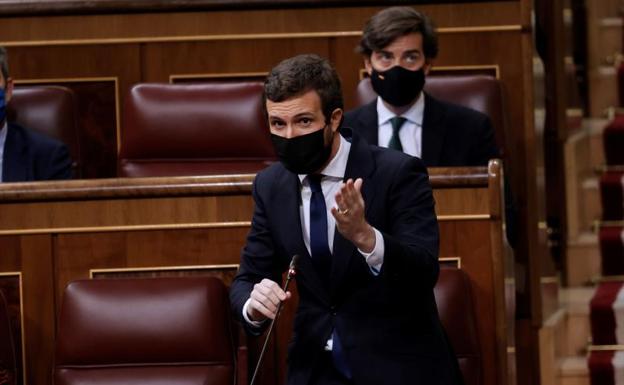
(292,271)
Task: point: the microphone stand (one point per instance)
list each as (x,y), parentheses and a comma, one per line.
(291,274)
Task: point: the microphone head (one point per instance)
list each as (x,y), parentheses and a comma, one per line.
(294,261)
(292,269)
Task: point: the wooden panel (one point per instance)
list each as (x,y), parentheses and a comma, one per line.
(32,257)
(222,57)
(44,30)
(39,306)
(461,201)
(11,288)
(78,254)
(124,213)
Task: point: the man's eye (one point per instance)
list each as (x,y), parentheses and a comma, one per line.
(277,124)
(305,121)
(412,58)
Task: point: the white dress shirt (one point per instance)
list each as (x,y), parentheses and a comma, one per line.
(330,184)
(410,133)
(3,134)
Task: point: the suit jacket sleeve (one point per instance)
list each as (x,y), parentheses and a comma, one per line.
(412,237)
(257,258)
(57,163)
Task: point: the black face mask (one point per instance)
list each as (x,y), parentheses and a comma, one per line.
(398,86)
(303,154)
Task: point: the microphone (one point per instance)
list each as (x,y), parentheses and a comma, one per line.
(292,271)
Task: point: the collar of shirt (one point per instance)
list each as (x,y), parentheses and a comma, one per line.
(3,134)
(336,167)
(414,114)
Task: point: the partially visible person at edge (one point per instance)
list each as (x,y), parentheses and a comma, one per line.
(26,155)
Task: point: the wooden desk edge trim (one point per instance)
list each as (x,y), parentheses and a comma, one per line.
(496,203)
(122,228)
(185,226)
(125,188)
(242,37)
(93,272)
(94,189)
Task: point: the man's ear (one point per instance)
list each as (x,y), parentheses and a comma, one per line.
(336,119)
(427,66)
(368,66)
(8,90)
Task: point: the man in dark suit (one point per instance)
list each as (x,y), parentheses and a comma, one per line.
(26,155)
(362,220)
(398,45)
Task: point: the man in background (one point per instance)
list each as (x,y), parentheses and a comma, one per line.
(398,45)
(24,154)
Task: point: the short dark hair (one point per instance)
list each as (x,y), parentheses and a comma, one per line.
(387,25)
(4,63)
(300,74)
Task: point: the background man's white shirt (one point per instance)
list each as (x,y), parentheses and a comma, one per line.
(411,131)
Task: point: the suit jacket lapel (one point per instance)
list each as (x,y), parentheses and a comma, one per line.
(359,165)
(287,194)
(432,131)
(368,122)
(14,162)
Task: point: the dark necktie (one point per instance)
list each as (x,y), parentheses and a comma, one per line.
(321,258)
(319,246)
(395,142)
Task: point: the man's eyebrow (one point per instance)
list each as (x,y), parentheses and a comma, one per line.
(299,115)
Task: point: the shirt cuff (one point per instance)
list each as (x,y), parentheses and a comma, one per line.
(255,324)
(375,258)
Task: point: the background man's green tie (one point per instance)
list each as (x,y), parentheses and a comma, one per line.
(395,142)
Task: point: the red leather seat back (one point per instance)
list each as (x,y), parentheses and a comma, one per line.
(145,331)
(479,92)
(456,309)
(8,373)
(194,129)
(50,110)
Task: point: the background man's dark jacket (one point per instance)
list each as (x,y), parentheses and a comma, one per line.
(30,156)
(452,135)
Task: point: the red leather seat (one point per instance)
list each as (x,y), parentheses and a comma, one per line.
(8,368)
(194,129)
(50,110)
(479,92)
(146,331)
(456,309)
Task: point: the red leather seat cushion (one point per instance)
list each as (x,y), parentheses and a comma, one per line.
(194,129)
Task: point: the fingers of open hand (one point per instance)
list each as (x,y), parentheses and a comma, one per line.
(266,297)
(349,198)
